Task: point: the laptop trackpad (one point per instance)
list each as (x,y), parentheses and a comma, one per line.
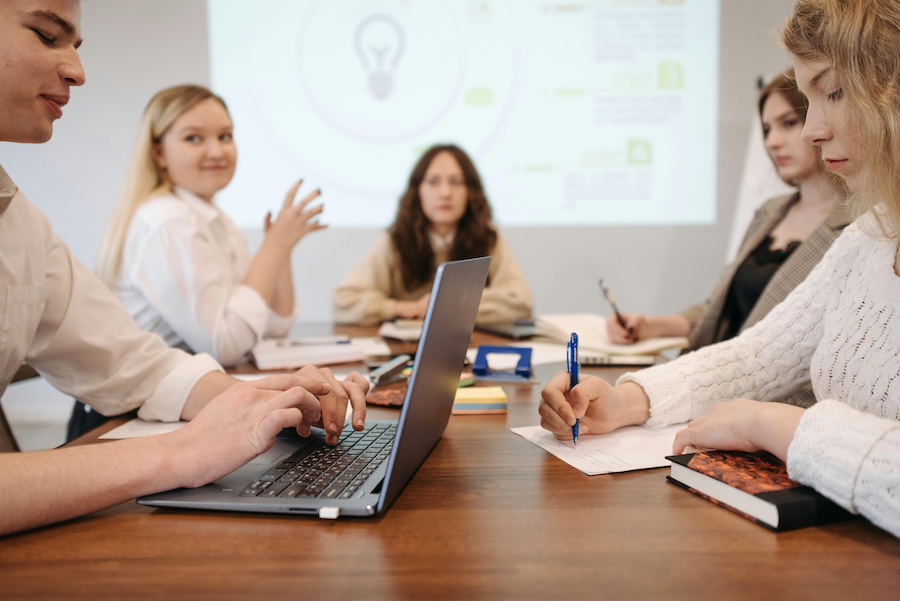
(278,449)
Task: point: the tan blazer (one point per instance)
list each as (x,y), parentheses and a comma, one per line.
(709,323)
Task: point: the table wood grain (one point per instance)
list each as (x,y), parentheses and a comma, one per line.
(488,516)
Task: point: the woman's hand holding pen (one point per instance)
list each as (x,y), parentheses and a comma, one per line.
(630,332)
(294,221)
(600,407)
(641,327)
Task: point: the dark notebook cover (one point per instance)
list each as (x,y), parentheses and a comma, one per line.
(759,475)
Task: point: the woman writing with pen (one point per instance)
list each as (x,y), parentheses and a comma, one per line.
(838,328)
(786,239)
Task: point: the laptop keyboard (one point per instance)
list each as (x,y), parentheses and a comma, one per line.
(328,472)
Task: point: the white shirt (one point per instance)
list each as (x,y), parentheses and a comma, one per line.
(60,319)
(183,264)
(839,329)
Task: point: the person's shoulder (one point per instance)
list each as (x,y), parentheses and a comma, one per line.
(161,209)
(500,242)
(383,240)
(778,204)
(861,238)
(28,216)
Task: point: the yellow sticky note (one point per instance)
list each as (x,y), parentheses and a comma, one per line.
(480,399)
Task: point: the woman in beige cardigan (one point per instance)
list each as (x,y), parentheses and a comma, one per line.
(443,216)
(786,239)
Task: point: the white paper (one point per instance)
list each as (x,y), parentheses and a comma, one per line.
(407,332)
(626,449)
(591,330)
(138,428)
(371,346)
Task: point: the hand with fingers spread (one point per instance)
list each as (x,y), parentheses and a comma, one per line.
(270,272)
(294,221)
(600,407)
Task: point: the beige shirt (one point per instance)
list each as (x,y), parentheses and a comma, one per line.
(370,291)
(60,319)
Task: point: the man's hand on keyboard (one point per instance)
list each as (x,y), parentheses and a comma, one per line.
(351,390)
(243,421)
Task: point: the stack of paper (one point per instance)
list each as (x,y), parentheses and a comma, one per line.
(591,330)
(479,399)
(293,354)
(407,330)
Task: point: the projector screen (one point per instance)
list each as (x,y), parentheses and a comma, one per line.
(582,113)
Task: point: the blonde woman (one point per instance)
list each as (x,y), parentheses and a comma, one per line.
(839,328)
(175,260)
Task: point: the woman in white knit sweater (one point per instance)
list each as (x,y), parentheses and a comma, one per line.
(840,328)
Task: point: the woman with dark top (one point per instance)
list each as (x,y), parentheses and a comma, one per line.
(786,239)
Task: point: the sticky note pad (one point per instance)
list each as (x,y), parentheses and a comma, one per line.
(479,399)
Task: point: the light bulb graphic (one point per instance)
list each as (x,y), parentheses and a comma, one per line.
(379,44)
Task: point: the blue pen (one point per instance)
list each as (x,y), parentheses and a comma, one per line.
(572,368)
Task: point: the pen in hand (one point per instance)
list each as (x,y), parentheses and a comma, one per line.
(612,303)
(572,368)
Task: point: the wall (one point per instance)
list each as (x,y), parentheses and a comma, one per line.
(132,49)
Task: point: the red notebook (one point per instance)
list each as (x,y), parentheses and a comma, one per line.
(755,486)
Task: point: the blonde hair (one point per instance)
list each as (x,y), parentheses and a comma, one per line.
(860,39)
(145,179)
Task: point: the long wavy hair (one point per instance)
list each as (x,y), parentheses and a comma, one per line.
(145,179)
(860,39)
(475,233)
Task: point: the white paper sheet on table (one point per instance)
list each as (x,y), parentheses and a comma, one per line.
(626,449)
(138,428)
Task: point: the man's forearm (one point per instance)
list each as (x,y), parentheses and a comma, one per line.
(206,389)
(80,480)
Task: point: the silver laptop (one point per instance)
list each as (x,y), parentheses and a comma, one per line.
(366,471)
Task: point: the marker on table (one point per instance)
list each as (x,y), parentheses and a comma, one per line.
(572,368)
(612,303)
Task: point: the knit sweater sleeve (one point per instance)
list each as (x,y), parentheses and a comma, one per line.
(766,361)
(850,457)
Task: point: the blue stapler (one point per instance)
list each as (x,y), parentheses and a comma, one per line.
(483,373)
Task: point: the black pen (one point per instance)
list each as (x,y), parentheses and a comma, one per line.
(612,303)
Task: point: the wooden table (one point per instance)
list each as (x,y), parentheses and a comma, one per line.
(488,516)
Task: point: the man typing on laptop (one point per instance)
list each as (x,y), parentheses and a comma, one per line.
(64,322)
